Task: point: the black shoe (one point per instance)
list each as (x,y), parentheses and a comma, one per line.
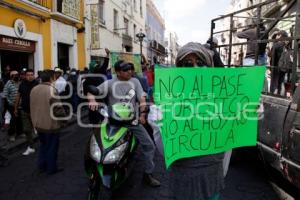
(56,171)
(150,180)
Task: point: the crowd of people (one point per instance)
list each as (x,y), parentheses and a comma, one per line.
(22,90)
(16,117)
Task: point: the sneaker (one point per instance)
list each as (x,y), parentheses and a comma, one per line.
(28,151)
(150,180)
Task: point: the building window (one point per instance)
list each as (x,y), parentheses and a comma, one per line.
(134,5)
(70,8)
(41,3)
(101,12)
(134,31)
(116,20)
(141,8)
(126,23)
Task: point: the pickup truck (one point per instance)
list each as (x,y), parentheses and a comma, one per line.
(279,135)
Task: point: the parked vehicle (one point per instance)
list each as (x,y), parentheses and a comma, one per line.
(279,135)
(279,124)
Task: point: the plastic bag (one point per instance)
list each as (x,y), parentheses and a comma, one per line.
(7,117)
(155,115)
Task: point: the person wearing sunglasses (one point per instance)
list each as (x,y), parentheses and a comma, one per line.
(118,90)
(204,179)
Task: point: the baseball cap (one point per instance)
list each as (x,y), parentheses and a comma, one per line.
(58,70)
(122,65)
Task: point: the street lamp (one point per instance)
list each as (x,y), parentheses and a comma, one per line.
(141,36)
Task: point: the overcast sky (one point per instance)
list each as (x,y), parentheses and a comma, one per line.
(191,19)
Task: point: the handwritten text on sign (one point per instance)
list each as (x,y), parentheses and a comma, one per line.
(207,110)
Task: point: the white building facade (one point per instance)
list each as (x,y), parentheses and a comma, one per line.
(172,47)
(113,24)
(155,30)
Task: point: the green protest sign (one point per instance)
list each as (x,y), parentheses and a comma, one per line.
(207,110)
(128,57)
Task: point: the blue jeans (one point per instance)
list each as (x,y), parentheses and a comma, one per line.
(148,147)
(262,60)
(49,143)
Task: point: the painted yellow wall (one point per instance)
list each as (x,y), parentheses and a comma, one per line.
(36,25)
(81,41)
(46,32)
(81,51)
(33,24)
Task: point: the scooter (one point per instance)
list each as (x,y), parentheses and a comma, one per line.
(109,154)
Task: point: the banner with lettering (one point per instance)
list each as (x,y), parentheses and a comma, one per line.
(207,110)
(128,57)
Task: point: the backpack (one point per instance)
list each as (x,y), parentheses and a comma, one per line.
(285,62)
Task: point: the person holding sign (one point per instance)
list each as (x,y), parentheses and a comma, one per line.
(198,177)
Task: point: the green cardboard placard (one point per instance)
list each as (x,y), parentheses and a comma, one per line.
(207,110)
(128,57)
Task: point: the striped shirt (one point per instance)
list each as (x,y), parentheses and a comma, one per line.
(10,92)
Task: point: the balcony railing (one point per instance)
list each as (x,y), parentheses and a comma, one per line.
(43,3)
(158,47)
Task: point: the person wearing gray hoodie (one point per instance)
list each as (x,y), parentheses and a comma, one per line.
(205,179)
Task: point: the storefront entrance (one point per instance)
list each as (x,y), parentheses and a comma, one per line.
(17,53)
(16,60)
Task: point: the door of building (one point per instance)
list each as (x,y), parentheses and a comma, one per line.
(63,56)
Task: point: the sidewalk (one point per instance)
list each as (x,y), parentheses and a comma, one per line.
(8,147)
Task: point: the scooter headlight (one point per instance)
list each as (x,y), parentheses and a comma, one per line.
(95,151)
(116,154)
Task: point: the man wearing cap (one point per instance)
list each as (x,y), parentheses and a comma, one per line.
(117,90)
(60,83)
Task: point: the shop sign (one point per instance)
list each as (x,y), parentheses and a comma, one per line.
(95,42)
(20,28)
(71,8)
(16,44)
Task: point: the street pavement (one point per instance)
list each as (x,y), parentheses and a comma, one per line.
(20,180)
